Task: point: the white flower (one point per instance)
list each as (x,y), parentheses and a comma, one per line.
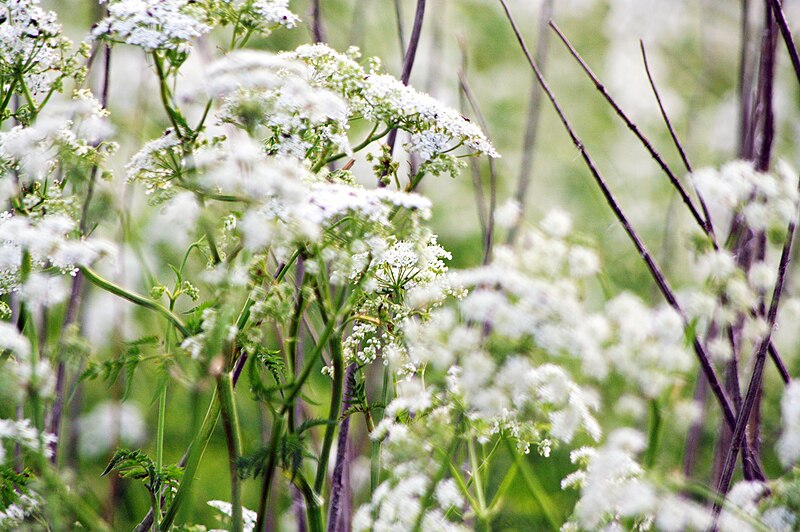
(556,223)
(249,517)
(110,425)
(788,446)
(152,24)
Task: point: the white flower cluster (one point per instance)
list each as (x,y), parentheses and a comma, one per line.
(15,515)
(256,15)
(410,453)
(31,44)
(46,242)
(25,435)
(765,201)
(157,164)
(383,98)
(249,517)
(153,24)
(259,89)
(62,136)
(614,487)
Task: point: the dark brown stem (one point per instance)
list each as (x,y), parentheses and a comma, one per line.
(74,301)
(342,463)
(786,33)
(410,56)
(667,121)
(703,223)
(758,370)
(316,22)
(655,271)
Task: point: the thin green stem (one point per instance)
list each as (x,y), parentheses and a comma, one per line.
(230,420)
(269,471)
(535,487)
(654,434)
(162,414)
(477,480)
(337,358)
(137,299)
(196,450)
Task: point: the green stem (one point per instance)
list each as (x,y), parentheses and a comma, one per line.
(230,420)
(142,301)
(313,503)
(162,414)
(427,497)
(477,480)
(337,359)
(196,450)
(654,434)
(535,487)
(269,471)
(369,140)
(375,459)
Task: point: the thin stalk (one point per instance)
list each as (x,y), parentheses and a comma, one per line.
(535,487)
(137,299)
(230,420)
(655,271)
(654,434)
(758,370)
(269,472)
(162,415)
(473,102)
(316,22)
(477,480)
(408,61)
(337,359)
(701,221)
(192,461)
(786,33)
(338,489)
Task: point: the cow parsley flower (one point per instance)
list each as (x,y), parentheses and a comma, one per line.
(153,24)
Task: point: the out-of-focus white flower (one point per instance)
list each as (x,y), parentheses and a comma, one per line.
(110,425)
(788,446)
(249,517)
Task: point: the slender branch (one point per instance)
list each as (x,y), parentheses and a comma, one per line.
(142,301)
(786,33)
(655,271)
(316,22)
(758,369)
(668,122)
(703,223)
(408,62)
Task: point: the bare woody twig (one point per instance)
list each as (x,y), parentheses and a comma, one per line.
(758,368)
(316,22)
(408,62)
(773,352)
(703,222)
(786,33)
(655,271)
